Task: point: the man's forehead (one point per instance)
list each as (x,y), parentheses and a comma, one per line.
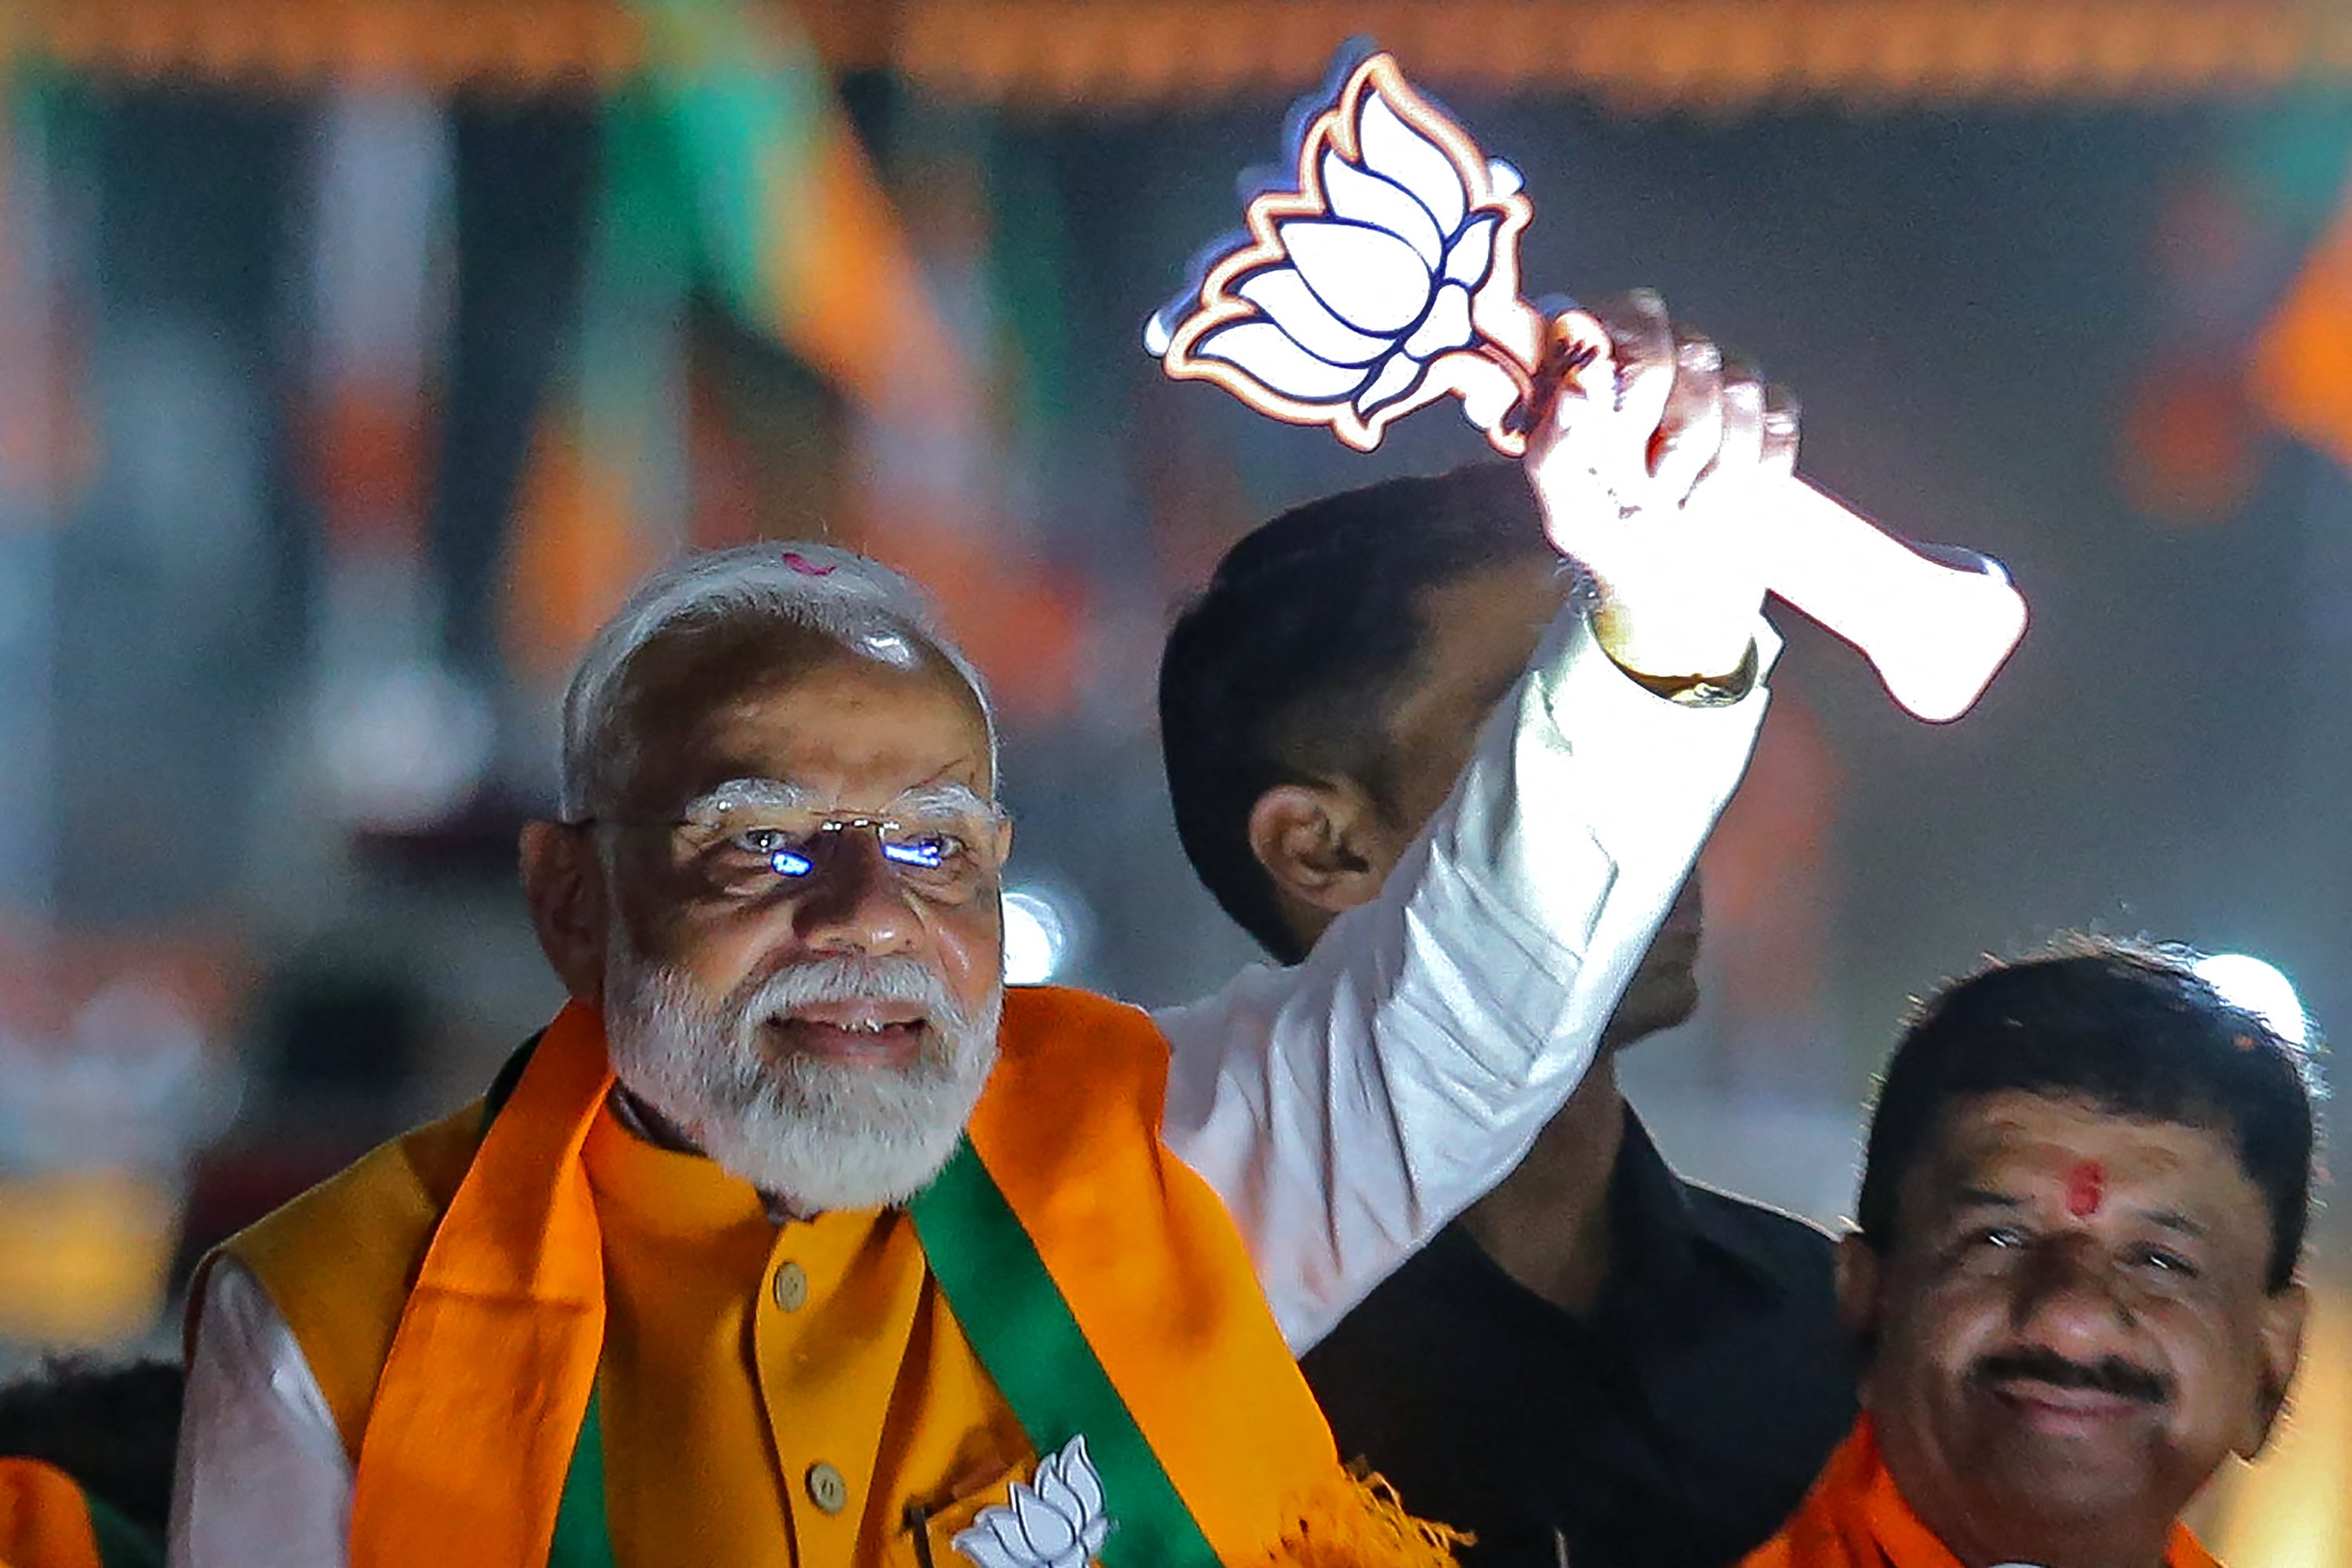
(2004,1140)
(801,709)
(715,660)
(866,771)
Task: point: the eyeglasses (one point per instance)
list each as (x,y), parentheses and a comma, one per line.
(942,859)
(944,851)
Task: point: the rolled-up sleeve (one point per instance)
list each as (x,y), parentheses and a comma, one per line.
(1347,1108)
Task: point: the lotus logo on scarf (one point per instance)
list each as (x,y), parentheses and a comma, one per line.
(1055,1522)
(1386,279)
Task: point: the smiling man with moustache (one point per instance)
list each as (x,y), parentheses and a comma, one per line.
(2082,1214)
(797,1237)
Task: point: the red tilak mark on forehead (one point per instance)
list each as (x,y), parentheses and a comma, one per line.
(806,567)
(2086,1189)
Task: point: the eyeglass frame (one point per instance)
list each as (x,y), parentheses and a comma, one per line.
(988,817)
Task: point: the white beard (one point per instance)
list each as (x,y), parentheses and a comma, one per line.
(821,1135)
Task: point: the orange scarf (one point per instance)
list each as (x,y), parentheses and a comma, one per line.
(490,1374)
(44,1523)
(1854,1518)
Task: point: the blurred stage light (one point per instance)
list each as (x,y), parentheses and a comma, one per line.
(404,745)
(2247,981)
(1041,933)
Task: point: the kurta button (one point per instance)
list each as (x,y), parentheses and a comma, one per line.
(826,1488)
(791,1287)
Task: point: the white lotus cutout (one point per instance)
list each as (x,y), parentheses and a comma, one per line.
(1055,1521)
(1388,279)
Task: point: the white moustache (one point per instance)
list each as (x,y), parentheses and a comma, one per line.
(822,981)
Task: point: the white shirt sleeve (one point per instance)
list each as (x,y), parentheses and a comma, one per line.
(261,1479)
(1346,1109)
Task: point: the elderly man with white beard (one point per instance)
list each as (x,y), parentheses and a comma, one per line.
(796,1237)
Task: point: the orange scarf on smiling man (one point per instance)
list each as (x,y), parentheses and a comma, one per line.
(47,1521)
(1854,1518)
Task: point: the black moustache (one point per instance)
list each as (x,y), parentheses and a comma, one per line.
(2110,1375)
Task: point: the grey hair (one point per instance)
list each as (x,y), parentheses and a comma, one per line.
(856,602)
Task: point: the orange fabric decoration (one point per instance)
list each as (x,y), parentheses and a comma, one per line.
(848,296)
(1854,1518)
(577,551)
(44,1523)
(2303,364)
(1130,54)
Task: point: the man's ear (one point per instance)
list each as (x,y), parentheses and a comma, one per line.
(1321,844)
(1859,1271)
(564,884)
(2284,1316)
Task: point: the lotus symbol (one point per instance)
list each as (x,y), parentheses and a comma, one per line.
(1056,1520)
(1388,279)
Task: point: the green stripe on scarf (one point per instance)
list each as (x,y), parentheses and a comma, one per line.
(121,1544)
(584,1538)
(1013,1314)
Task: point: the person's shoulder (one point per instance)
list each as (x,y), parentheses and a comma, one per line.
(1077,1074)
(1792,1250)
(337,1263)
(1444,1293)
(1057,1031)
(396,1192)
(1069,1006)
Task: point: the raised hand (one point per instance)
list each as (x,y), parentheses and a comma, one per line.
(1651,461)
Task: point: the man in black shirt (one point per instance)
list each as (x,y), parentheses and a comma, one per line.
(1599,1361)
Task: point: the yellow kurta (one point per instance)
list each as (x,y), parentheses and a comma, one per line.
(723,1390)
(750,1367)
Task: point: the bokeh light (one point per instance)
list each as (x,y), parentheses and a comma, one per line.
(1039,933)
(2245,980)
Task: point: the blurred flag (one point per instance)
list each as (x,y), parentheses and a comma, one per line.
(729,164)
(795,232)
(46,443)
(2303,361)
(732,167)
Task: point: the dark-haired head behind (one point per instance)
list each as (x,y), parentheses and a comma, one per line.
(1286,667)
(2082,1212)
